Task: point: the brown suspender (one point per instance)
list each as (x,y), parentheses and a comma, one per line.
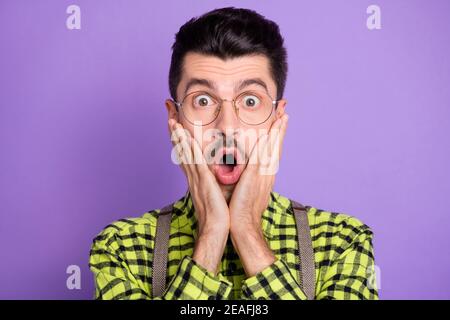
(306,273)
(307,270)
(161,251)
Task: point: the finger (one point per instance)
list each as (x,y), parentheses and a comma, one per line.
(199,158)
(182,147)
(193,159)
(256,153)
(174,138)
(170,124)
(276,124)
(274,145)
(196,163)
(275,134)
(268,154)
(184,141)
(284,124)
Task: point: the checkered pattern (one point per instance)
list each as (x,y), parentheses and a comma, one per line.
(121,258)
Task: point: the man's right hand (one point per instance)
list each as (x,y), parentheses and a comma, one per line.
(211,209)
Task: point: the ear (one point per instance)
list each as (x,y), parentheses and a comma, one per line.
(281,107)
(171,109)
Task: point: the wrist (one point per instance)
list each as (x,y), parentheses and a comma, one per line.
(208,251)
(247,230)
(253,250)
(217,231)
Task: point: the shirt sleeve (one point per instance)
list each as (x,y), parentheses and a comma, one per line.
(112,276)
(115,281)
(275,282)
(352,275)
(194,282)
(349,276)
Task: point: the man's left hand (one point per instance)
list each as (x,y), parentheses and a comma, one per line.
(251,197)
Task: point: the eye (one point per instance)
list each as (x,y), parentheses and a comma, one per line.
(251,101)
(203,100)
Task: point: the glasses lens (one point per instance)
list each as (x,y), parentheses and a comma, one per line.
(254,107)
(200,107)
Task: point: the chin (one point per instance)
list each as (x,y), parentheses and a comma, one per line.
(227,190)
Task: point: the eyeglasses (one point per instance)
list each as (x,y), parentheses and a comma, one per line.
(251,107)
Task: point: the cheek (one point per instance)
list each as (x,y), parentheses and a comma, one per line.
(265,127)
(249,136)
(183,122)
(204,135)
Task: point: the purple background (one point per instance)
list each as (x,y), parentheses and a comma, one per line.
(83,137)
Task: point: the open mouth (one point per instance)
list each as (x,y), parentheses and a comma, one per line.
(229,161)
(228,166)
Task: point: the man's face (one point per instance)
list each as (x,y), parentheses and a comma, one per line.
(226,139)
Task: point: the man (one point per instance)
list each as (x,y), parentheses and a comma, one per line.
(231,235)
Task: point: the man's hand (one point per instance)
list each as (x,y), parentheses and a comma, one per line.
(251,197)
(249,200)
(211,208)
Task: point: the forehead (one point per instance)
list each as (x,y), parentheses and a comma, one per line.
(226,73)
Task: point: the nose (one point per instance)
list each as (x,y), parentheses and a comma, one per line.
(227,121)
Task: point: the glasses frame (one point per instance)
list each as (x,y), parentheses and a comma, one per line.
(179,106)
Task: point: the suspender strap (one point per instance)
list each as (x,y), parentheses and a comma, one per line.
(161,251)
(306,273)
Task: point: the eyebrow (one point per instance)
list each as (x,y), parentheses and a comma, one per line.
(202,82)
(211,84)
(248,82)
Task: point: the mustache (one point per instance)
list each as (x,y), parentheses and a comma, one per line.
(223,142)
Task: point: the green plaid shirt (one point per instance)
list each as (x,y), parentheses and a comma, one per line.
(121,258)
